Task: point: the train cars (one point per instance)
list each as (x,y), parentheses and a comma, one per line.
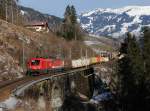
(38,66)
(80,62)
(94,60)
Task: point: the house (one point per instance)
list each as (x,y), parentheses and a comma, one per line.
(38,26)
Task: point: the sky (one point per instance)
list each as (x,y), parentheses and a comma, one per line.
(57,7)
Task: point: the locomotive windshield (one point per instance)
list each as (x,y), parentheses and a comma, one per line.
(35,62)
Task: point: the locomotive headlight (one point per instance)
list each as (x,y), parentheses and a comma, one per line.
(35,67)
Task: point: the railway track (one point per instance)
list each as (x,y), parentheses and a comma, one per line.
(7,87)
(6,83)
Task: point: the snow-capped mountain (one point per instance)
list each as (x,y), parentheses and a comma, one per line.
(115,22)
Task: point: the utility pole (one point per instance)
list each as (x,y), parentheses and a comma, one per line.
(75,33)
(12,13)
(70,53)
(17,14)
(23,53)
(17,11)
(23,61)
(93,53)
(81,52)
(99,52)
(6,10)
(86,56)
(60,52)
(75,36)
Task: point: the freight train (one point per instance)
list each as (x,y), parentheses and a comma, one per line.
(38,66)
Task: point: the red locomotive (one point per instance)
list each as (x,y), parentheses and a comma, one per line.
(38,66)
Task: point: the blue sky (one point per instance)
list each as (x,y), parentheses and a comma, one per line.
(57,7)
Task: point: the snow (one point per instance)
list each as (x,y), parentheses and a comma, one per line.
(137,19)
(92,43)
(116,34)
(130,10)
(23,12)
(106,96)
(109,28)
(119,19)
(90,24)
(41,103)
(85,26)
(11,103)
(24,39)
(109,17)
(89,13)
(125,26)
(138,10)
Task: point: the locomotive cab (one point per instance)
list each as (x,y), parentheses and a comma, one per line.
(38,66)
(35,64)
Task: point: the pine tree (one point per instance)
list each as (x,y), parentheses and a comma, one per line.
(70,29)
(73,15)
(146,55)
(146,52)
(67,15)
(131,71)
(135,55)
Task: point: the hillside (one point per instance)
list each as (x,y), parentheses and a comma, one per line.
(32,15)
(101,43)
(18,44)
(115,22)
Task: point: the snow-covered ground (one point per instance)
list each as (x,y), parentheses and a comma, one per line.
(89,43)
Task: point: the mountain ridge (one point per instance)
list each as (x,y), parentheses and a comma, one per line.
(115,22)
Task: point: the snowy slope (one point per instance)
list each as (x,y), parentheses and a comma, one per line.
(115,22)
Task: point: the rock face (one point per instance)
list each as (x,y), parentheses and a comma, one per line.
(115,22)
